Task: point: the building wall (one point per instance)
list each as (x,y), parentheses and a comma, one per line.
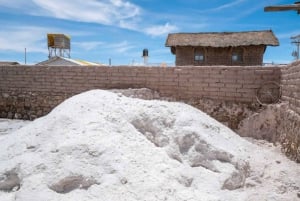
(289,129)
(291,86)
(184,56)
(252,55)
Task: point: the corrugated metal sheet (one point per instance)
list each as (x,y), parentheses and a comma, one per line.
(61,61)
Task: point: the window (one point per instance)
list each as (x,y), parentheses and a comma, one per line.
(199,56)
(237,55)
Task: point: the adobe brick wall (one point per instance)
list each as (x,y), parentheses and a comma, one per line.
(289,129)
(291,86)
(252,56)
(31,91)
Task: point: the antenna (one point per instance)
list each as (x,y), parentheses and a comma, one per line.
(296,41)
(25,56)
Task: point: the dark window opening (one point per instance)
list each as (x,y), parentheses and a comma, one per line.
(199,57)
(237,55)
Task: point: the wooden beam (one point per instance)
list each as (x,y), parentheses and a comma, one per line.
(295,7)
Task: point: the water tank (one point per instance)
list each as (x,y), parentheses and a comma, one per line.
(58,41)
(145,53)
(58,45)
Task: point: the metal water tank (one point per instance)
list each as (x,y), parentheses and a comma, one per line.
(145,52)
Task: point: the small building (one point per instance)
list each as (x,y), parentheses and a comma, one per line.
(9,63)
(62,61)
(220,48)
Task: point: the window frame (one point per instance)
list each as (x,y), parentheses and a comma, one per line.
(199,56)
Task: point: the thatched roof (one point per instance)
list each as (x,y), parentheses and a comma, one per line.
(222,39)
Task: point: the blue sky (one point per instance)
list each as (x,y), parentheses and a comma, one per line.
(121,29)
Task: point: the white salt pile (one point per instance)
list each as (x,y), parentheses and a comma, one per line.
(103,146)
(8,126)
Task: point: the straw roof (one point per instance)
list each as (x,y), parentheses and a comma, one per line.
(222,39)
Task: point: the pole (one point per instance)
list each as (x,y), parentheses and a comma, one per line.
(298,44)
(25,56)
(296,41)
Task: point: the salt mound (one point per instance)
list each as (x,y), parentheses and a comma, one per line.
(103,146)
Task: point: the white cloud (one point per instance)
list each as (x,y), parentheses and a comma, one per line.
(160,29)
(34,38)
(108,12)
(14,4)
(18,38)
(131,25)
(120,13)
(88,45)
(223,7)
(228,5)
(122,47)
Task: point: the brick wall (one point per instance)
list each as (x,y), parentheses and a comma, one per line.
(184,56)
(251,55)
(291,85)
(223,83)
(31,91)
(289,129)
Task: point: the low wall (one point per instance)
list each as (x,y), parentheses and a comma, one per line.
(289,129)
(32,91)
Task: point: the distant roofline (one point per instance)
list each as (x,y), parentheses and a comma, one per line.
(222,32)
(75,61)
(222,39)
(9,63)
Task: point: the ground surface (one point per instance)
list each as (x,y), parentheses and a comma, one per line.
(104,146)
